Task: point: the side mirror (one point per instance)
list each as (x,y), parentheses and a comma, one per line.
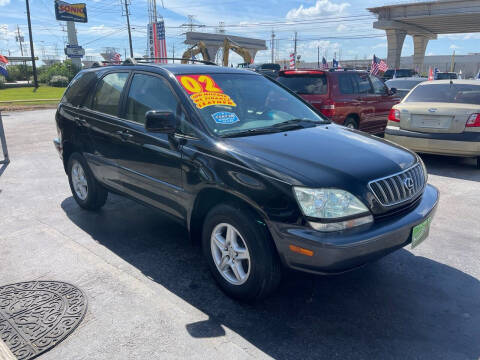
(160,122)
(393,91)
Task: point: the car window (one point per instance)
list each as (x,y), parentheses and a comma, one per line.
(109,90)
(79,88)
(146,93)
(238,103)
(378,85)
(364,86)
(446,93)
(312,84)
(346,84)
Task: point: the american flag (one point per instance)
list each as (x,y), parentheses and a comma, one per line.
(292,61)
(3,66)
(324,64)
(156,41)
(378,65)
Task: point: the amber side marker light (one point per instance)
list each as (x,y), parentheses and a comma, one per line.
(300,250)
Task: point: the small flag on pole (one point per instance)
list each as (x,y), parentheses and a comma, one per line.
(3,66)
(377,66)
(335,63)
(292,61)
(430,73)
(324,64)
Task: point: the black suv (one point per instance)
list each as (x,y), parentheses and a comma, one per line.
(258,177)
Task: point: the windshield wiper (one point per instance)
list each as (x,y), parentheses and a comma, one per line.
(296,123)
(267,130)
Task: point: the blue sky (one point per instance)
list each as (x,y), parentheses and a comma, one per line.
(346,31)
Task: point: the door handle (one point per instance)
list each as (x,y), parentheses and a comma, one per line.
(80,121)
(124,134)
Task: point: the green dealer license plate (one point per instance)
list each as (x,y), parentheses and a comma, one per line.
(420,232)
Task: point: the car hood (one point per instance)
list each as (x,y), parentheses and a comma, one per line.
(321,156)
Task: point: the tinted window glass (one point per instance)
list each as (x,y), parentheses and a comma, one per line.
(378,85)
(346,84)
(305,84)
(445,76)
(364,86)
(270,66)
(149,93)
(109,90)
(80,86)
(455,93)
(403,84)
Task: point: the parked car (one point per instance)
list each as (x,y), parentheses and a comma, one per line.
(439,117)
(445,75)
(402,86)
(398,73)
(351,98)
(268,69)
(256,175)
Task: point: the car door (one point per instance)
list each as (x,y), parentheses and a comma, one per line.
(150,163)
(100,114)
(383,103)
(368,101)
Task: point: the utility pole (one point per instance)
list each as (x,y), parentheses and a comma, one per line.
(32,53)
(19,39)
(127,14)
(295,49)
(173,52)
(318,57)
(273,45)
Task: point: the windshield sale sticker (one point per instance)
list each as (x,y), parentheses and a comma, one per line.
(204,91)
(224,117)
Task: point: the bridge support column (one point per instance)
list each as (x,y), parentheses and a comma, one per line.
(420,43)
(395,40)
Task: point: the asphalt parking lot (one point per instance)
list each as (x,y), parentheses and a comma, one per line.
(151,296)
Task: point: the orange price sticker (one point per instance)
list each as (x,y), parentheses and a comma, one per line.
(204,91)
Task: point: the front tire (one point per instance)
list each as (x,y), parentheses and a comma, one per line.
(86,190)
(240,253)
(350,123)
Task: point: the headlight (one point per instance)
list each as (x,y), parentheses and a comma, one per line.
(328,205)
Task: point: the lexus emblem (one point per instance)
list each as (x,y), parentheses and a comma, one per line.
(432,110)
(408,182)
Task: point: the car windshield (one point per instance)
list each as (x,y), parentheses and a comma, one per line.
(446,93)
(403,84)
(244,104)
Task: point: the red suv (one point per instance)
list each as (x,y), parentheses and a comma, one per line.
(355,99)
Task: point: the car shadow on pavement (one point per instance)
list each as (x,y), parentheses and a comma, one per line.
(403,306)
(452,166)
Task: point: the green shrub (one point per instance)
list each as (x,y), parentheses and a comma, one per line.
(59,81)
(66,69)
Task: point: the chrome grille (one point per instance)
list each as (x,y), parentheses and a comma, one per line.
(400,187)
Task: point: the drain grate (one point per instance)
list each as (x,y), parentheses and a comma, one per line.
(37,315)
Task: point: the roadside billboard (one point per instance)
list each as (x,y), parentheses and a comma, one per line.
(70,12)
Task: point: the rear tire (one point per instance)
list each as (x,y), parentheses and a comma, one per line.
(86,190)
(478,162)
(351,123)
(258,270)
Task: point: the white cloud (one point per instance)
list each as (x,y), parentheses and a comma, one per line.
(4,2)
(380,45)
(341,27)
(321,7)
(454,47)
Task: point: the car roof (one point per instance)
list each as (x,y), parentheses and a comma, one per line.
(453,81)
(178,69)
(410,78)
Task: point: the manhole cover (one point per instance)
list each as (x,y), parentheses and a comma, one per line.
(37,315)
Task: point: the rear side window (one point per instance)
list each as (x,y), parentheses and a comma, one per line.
(305,84)
(79,88)
(446,93)
(364,86)
(347,84)
(109,90)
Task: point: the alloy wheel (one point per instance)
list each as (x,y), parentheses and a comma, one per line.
(79,181)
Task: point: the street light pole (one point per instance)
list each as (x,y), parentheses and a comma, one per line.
(32,53)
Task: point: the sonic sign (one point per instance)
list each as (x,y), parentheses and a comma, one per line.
(70,12)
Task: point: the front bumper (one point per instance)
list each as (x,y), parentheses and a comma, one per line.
(462,144)
(338,252)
